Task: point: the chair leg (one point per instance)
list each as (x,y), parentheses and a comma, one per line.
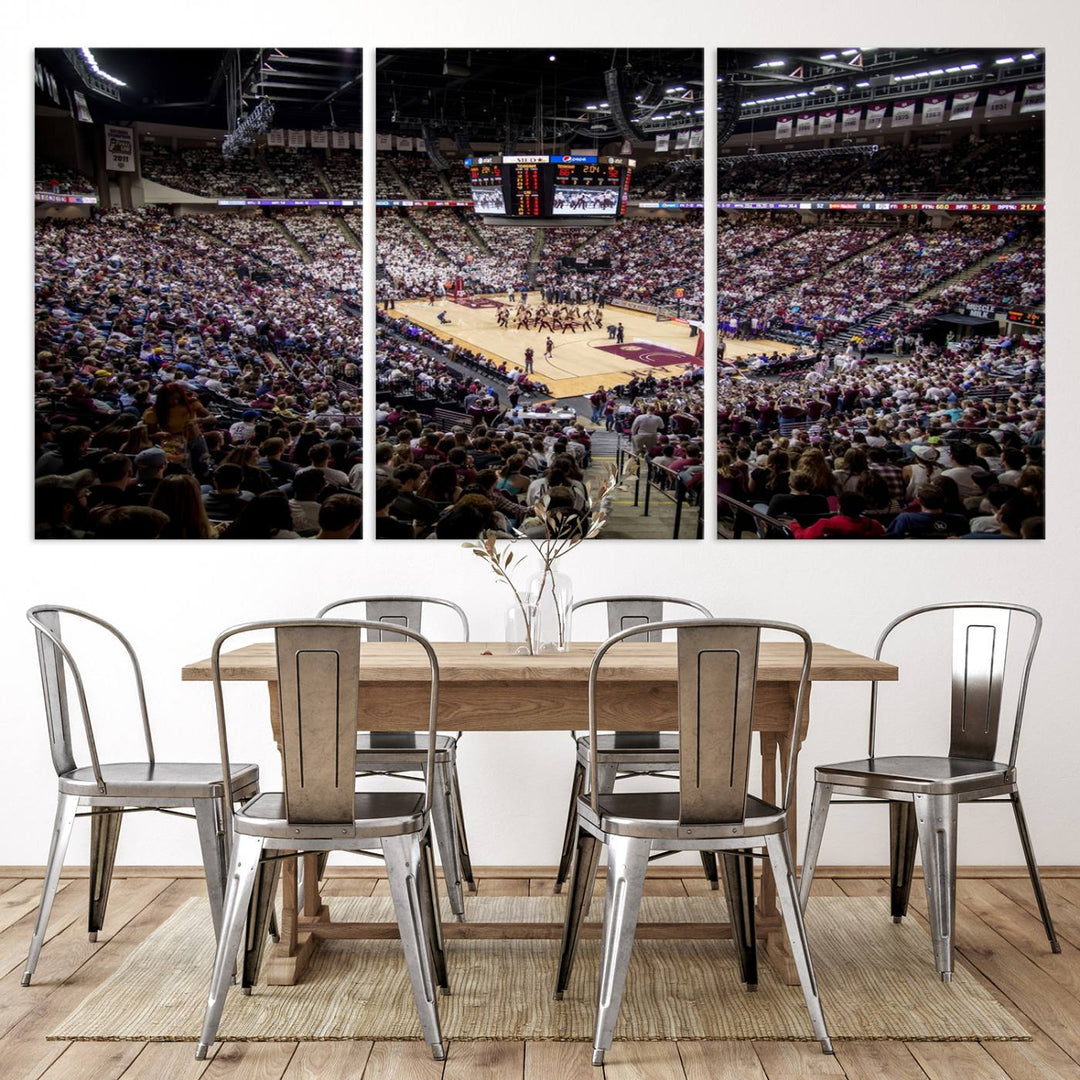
(1033,871)
(428,891)
(787,897)
(464,858)
(403,869)
(815,830)
(606,775)
(582,880)
(442,822)
(712,873)
(104,836)
(739,893)
(936,818)
(903,841)
(66,806)
(628,860)
(259,913)
(577,789)
(215,860)
(244,863)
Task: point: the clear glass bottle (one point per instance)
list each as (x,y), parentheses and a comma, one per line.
(522,625)
(553,595)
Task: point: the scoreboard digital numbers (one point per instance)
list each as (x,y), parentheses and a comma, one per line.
(544,186)
(525,199)
(1026,318)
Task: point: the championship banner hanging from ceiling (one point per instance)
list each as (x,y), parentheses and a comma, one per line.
(875,116)
(999,102)
(358,138)
(275,137)
(404,142)
(320,140)
(851,118)
(783,127)
(682,140)
(662,143)
(963,105)
(297,138)
(903,113)
(339,140)
(625,147)
(119,149)
(384,142)
(933,110)
(804,125)
(421,145)
(826,122)
(1034,98)
(697,140)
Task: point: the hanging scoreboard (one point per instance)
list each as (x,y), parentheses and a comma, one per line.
(547,186)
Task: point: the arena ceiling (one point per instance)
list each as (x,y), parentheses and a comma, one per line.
(532,95)
(197,87)
(762,82)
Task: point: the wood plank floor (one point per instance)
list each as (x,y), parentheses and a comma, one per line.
(998,935)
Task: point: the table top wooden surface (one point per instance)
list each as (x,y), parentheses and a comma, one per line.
(479,662)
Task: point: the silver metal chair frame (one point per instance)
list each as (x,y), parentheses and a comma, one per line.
(924,793)
(107,791)
(394,757)
(625,754)
(320,810)
(711,812)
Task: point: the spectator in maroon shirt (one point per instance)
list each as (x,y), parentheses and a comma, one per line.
(851,523)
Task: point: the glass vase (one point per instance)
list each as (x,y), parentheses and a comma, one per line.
(522,623)
(553,595)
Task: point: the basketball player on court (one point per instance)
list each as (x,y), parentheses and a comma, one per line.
(529,361)
(549,348)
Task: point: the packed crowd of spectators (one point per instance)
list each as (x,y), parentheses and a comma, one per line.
(898,268)
(60,180)
(345,171)
(296,171)
(160,360)
(679,178)
(335,260)
(947,441)
(205,171)
(650,257)
(1004,166)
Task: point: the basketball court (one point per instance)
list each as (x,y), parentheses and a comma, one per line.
(581,361)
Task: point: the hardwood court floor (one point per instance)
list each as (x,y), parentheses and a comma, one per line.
(999,935)
(578,366)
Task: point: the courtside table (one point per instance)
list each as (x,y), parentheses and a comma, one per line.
(482,687)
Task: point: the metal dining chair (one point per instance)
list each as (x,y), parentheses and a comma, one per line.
(712,811)
(627,753)
(318,666)
(402,754)
(109,790)
(924,793)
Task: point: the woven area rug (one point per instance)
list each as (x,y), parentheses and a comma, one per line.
(877,981)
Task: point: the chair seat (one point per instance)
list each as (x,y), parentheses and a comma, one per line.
(375,813)
(922,775)
(633,748)
(163,779)
(401,745)
(655,815)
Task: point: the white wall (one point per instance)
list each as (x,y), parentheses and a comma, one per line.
(172,598)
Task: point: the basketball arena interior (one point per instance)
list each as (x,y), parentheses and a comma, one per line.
(540,296)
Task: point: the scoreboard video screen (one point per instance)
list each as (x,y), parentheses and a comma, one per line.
(546,186)
(486,182)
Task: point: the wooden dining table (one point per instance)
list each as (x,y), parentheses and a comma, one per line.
(485,687)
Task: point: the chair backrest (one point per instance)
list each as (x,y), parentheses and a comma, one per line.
(318,675)
(717,678)
(624,612)
(54,657)
(390,611)
(980,639)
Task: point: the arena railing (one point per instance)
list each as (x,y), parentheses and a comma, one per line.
(768,528)
(667,484)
